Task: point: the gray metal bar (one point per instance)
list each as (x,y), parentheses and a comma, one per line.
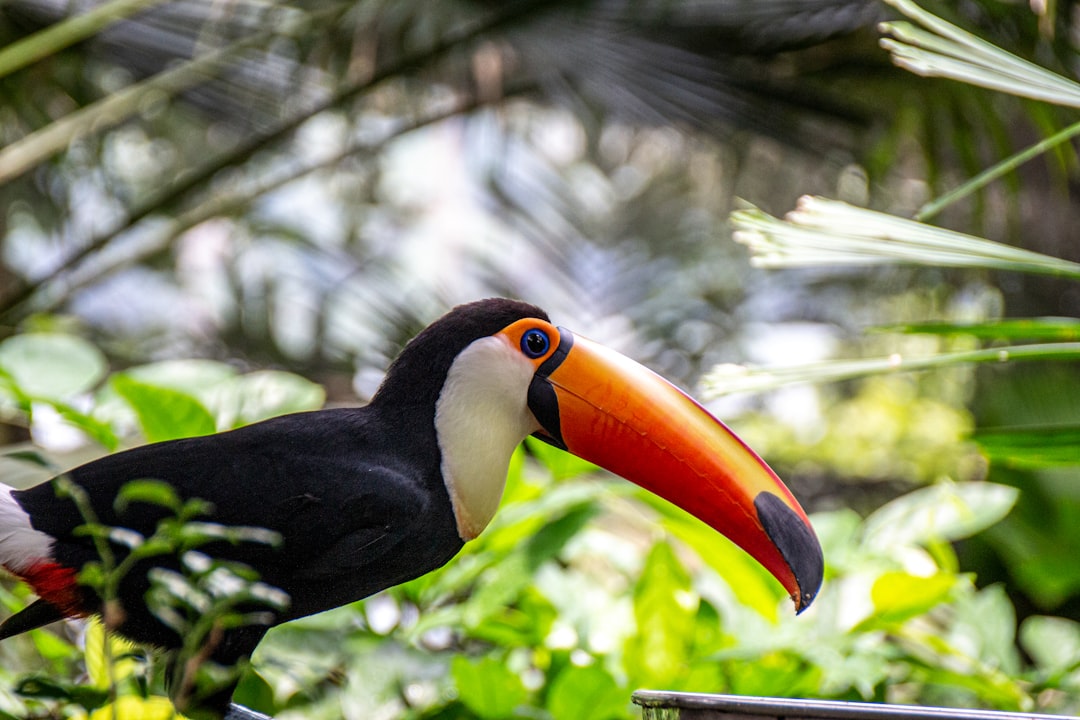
(700,706)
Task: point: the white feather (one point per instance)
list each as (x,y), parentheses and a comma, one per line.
(20,544)
(481,416)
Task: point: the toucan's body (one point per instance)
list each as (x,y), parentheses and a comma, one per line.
(366,498)
(353,518)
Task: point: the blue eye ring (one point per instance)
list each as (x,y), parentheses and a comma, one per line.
(535,343)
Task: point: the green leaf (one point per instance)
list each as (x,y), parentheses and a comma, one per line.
(99,431)
(586,693)
(51,646)
(1031,447)
(665,609)
(73,29)
(947,511)
(164,414)
(154,707)
(192,376)
(200,533)
(1030,329)
(727,378)
(941,49)
(121,654)
(1052,642)
(992,688)
(827,232)
(39,686)
(34,457)
(507,579)
(775,674)
(265,394)
(487,687)
(52,366)
(561,464)
(155,492)
(752,584)
(986,625)
(526,624)
(898,596)
(256,693)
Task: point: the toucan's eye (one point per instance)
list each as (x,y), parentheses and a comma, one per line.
(535,343)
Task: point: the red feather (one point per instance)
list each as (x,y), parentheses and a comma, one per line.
(56,585)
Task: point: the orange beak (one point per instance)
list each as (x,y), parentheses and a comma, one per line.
(609,410)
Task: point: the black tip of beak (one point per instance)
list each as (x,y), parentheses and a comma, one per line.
(797,544)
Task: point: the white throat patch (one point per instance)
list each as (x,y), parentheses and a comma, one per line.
(480,417)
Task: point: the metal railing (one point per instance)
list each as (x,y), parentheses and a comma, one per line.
(661,705)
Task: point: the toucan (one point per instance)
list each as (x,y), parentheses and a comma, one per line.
(369,497)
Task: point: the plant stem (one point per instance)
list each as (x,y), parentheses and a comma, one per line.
(64,34)
(30,151)
(996,171)
(724,381)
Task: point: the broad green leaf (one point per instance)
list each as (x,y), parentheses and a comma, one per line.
(51,646)
(517,523)
(665,609)
(898,596)
(985,625)
(586,693)
(947,511)
(194,377)
(775,674)
(1031,447)
(561,464)
(39,686)
(709,633)
(52,366)
(487,687)
(1052,642)
(527,623)
(752,584)
(164,414)
(119,650)
(991,687)
(265,394)
(1041,544)
(255,692)
(506,579)
(838,532)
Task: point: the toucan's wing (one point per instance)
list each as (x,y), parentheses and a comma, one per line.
(386,532)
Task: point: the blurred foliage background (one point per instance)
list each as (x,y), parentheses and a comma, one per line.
(254,186)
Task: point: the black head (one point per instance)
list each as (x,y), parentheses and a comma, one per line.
(416,377)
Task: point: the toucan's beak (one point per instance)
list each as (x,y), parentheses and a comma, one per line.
(609,410)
